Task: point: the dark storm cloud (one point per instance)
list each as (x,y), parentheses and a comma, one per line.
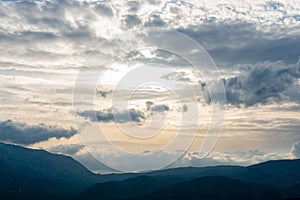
(124,116)
(231,43)
(263,83)
(21,133)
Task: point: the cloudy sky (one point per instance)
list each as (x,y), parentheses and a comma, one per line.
(142,85)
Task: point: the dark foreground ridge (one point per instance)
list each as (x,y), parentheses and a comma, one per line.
(37,174)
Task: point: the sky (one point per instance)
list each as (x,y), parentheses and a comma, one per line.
(143,85)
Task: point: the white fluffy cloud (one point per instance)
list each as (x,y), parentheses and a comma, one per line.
(143,160)
(231,158)
(295,150)
(70,149)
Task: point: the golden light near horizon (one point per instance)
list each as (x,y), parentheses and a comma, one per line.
(153,94)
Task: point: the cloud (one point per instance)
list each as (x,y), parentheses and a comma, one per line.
(90,162)
(123,116)
(70,149)
(78,152)
(156,108)
(154,2)
(133,6)
(141,161)
(234,42)
(155,21)
(104,9)
(160,108)
(145,160)
(184,108)
(104,93)
(178,76)
(247,37)
(131,21)
(295,150)
(242,158)
(53,35)
(21,133)
(263,83)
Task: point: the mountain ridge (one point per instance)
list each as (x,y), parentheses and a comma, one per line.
(38,174)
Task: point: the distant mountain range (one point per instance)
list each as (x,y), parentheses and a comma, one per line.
(37,174)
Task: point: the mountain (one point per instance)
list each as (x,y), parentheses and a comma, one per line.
(269,180)
(292,192)
(281,173)
(126,189)
(37,174)
(215,188)
(211,187)
(195,172)
(26,171)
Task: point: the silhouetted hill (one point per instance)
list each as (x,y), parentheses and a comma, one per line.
(215,188)
(281,173)
(26,171)
(292,192)
(272,176)
(195,172)
(126,189)
(37,174)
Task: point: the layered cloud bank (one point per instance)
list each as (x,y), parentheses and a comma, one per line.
(255,44)
(36,31)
